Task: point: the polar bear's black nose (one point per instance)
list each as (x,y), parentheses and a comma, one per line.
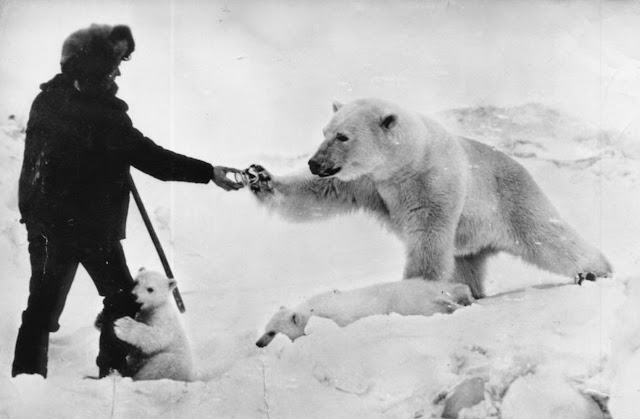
(323,170)
(314,166)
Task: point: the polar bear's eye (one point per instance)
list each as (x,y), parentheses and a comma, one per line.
(342,137)
(149,289)
(272,333)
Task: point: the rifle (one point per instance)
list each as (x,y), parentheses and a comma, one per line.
(155,240)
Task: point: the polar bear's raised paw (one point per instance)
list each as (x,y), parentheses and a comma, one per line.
(260,180)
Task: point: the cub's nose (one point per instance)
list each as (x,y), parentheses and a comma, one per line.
(314,166)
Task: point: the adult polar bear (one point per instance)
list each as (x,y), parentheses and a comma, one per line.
(453,201)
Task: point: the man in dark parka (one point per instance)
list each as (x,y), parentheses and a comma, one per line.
(74,196)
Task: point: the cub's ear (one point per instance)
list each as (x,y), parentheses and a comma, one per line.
(172,284)
(142,269)
(336,105)
(389,121)
(295,319)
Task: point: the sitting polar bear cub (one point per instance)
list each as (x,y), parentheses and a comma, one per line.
(161,349)
(409,297)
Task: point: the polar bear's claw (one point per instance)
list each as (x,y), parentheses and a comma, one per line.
(581,277)
(260,179)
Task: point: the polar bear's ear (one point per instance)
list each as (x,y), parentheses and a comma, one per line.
(142,269)
(295,319)
(336,105)
(389,121)
(172,284)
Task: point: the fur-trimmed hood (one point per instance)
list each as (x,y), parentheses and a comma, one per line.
(93,52)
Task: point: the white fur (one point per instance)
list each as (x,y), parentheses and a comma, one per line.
(409,297)
(452,201)
(161,346)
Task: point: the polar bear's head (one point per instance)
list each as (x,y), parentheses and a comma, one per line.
(285,321)
(152,289)
(366,137)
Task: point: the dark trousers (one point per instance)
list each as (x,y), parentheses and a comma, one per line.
(53,267)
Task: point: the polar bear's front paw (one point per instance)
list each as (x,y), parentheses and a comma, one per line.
(123,328)
(260,179)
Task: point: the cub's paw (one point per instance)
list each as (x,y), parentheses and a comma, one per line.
(461,294)
(124,328)
(455,297)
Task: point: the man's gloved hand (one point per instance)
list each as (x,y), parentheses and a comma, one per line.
(220,178)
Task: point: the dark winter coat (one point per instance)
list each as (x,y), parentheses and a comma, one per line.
(77,156)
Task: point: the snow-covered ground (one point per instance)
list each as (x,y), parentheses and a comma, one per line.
(554,84)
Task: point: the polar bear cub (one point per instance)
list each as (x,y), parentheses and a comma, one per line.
(161,349)
(408,297)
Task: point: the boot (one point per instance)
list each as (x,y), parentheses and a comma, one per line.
(113,352)
(31,353)
(112,356)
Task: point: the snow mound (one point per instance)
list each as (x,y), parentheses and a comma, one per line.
(535,131)
(624,365)
(12,240)
(561,400)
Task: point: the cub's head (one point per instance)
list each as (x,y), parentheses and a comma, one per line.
(365,137)
(152,289)
(285,321)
